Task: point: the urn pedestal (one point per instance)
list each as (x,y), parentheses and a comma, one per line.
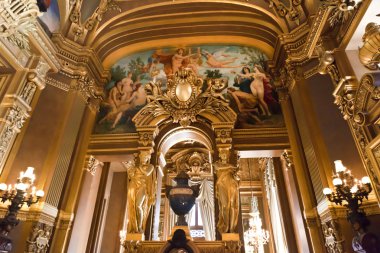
(182,197)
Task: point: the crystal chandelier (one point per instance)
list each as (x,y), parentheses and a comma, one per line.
(255,237)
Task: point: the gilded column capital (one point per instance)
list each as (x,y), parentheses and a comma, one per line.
(312,218)
(223,135)
(344,94)
(147,135)
(93,165)
(287,157)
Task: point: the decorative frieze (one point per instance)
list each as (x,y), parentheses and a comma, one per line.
(38,240)
(14,121)
(334,241)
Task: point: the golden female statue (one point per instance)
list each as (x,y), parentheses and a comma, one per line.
(141,193)
(227,193)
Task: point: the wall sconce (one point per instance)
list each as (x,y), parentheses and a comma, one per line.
(348,189)
(18,196)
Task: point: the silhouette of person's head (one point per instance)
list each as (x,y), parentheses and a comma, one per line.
(179,239)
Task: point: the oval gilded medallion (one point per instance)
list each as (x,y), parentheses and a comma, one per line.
(183,91)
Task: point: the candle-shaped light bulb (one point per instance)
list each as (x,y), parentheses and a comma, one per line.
(33,190)
(339,167)
(9,187)
(349,172)
(29,174)
(366,180)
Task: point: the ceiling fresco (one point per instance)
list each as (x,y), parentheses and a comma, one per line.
(250,91)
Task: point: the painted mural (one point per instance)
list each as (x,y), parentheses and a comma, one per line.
(50,17)
(249,91)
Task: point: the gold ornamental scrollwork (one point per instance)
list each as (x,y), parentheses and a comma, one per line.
(78,29)
(333,237)
(369,53)
(18,18)
(291,10)
(344,95)
(366,100)
(184,99)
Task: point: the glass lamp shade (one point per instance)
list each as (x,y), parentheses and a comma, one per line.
(354,189)
(327,191)
(366,180)
(3,187)
(40,193)
(21,187)
(337,181)
(339,167)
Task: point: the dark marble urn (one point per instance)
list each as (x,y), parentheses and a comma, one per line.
(182,197)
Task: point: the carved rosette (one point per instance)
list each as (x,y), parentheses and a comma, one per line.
(38,241)
(223,135)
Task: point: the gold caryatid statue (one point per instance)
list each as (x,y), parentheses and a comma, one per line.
(227,193)
(141,192)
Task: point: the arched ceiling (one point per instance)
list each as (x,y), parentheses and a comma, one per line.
(143,25)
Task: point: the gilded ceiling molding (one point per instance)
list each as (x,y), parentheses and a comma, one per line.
(292,10)
(79,31)
(369,53)
(329,11)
